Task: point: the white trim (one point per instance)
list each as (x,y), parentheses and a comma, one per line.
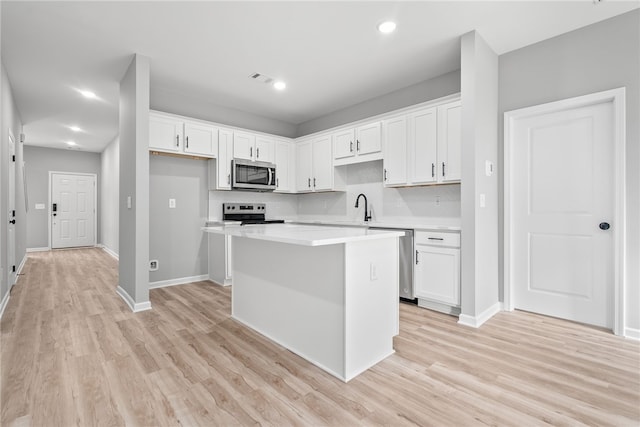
(617,98)
(38,249)
(109,251)
(5,302)
(20,267)
(477,321)
(95,203)
(179,281)
(135,307)
(631,333)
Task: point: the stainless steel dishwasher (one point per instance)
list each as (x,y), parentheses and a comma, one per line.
(405,264)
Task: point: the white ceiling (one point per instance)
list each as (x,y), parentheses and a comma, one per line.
(329,53)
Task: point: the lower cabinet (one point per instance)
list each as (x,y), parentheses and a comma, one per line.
(437,270)
(220,259)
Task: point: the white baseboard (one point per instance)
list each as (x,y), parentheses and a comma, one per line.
(477,321)
(179,281)
(38,249)
(109,251)
(4,302)
(632,333)
(135,307)
(21,266)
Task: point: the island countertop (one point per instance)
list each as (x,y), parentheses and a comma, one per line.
(306,235)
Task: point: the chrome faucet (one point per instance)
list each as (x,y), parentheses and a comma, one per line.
(367,214)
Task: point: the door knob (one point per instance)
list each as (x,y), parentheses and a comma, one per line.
(13,221)
(604,226)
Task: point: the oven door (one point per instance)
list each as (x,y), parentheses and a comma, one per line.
(258,176)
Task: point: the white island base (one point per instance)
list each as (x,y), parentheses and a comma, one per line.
(336,305)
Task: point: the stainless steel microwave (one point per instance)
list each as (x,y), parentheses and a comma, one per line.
(256,176)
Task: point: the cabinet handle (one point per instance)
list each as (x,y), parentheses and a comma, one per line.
(229,179)
(417,257)
(250,151)
(177,140)
(442,168)
(436,238)
(358,145)
(309,182)
(351,146)
(257,153)
(186,141)
(314,183)
(433,170)
(385,174)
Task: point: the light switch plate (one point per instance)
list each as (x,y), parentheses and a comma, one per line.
(483,200)
(172,203)
(488,168)
(40,206)
(128,202)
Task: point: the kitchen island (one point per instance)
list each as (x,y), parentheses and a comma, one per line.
(328,294)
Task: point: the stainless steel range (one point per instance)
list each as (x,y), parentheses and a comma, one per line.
(247,213)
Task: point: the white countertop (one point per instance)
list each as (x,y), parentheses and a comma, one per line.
(435,224)
(306,235)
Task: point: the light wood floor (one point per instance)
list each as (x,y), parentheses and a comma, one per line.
(73,354)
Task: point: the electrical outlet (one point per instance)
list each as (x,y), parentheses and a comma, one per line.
(172,203)
(437,200)
(153,265)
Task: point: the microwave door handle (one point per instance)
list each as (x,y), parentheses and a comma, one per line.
(270,176)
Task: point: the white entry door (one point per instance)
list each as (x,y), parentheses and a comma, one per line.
(562,213)
(11,230)
(73,216)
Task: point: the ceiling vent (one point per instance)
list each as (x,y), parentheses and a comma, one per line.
(261,78)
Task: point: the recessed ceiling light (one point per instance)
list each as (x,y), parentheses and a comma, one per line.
(88,94)
(279,85)
(71,143)
(75,128)
(387,27)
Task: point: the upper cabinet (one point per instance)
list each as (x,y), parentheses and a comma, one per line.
(314,166)
(174,135)
(358,144)
(253,147)
(284,159)
(423,147)
(220,169)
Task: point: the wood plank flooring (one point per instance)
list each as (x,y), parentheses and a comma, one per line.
(73,354)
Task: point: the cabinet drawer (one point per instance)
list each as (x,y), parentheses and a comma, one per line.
(437,238)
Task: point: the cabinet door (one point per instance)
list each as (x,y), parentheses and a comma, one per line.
(264,149)
(344,144)
(282,166)
(449,142)
(395,151)
(437,274)
(165,133)
(243,144)
(423,141)
(200,139)
(322,164)
(225,150)
(304,164)
(368,139)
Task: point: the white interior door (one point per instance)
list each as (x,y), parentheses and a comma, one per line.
(562,204)
(11,230)
(73,216)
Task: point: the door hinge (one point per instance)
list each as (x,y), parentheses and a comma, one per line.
(13,158)
(13,268)
(13,213)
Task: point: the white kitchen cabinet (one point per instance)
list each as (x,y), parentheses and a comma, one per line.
(220,168)
(437,270)
(394,134)
(252,147)
(220,263)
(359,144)
(174,135)
(314,166)
(284,160)
(450,142)
(423,143)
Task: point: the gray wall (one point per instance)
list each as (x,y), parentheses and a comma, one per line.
(599,57)
(39,161)
(134,182)
(175,238)
(109,191)
(10,119)
(427,90)
(479,245)
(179,103)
